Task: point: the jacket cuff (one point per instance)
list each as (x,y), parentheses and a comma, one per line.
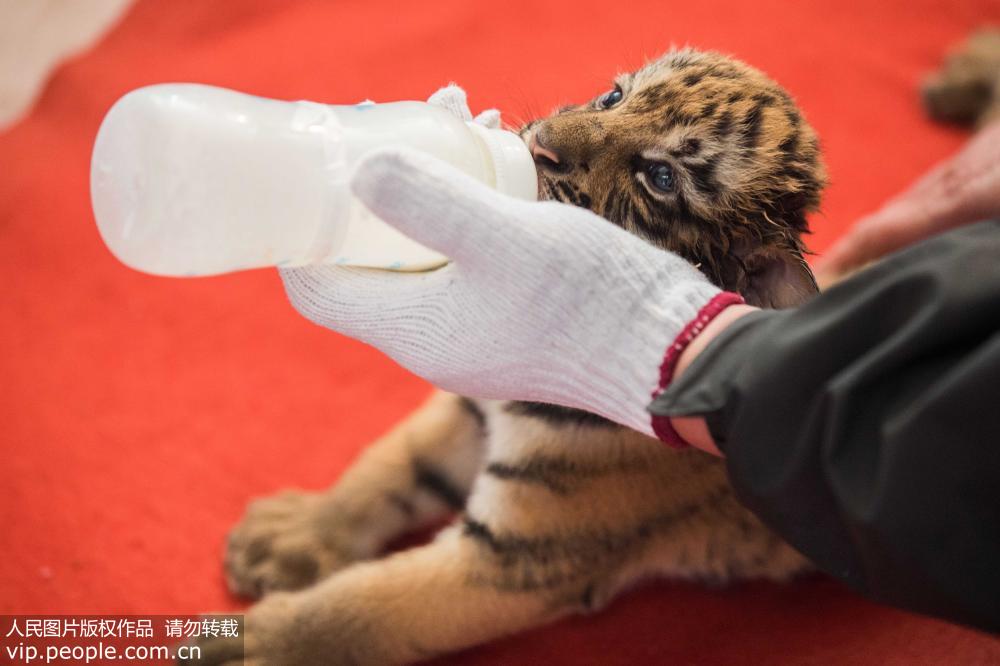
(661,424)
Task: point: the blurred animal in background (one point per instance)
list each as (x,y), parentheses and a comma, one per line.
(966,90)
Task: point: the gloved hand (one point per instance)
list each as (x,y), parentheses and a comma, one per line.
(542,301)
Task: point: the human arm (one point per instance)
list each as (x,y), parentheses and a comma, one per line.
(862,426)
(962,189)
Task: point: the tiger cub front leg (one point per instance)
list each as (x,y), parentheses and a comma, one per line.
(406,607)
(412,477)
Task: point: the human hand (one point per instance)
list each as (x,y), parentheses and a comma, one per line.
(961,190)
(542,301)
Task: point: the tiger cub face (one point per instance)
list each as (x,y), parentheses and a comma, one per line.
(699,154)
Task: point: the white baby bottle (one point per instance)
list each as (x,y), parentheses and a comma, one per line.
(191,180)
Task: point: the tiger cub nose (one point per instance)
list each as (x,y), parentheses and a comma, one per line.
(545,158)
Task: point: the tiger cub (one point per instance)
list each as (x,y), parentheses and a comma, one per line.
(557,510)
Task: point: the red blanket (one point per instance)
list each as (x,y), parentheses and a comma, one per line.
(138,415)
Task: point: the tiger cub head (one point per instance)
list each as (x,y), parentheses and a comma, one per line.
(699,154)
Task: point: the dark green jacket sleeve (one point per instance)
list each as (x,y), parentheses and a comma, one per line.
(864,426)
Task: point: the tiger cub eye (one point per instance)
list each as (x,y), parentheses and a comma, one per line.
(610,98)
(661,176)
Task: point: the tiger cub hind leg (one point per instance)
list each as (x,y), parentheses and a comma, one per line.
(414,476)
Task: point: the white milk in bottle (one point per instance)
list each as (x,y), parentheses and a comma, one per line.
(190,180)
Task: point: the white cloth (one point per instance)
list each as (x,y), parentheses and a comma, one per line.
(542,301)
(453,98)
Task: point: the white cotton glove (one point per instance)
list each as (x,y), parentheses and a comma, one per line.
(453,98)
(542,301)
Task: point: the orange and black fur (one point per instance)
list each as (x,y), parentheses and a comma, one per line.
(556,510)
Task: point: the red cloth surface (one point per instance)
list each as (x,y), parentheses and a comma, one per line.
(138,415)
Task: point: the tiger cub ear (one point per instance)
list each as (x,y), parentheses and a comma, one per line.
(778,278)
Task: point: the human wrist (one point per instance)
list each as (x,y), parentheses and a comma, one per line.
(712,330)
(710,310)
(693,430)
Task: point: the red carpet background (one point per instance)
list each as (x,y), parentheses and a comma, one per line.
(138,415)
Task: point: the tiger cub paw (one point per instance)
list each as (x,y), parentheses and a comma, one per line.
(285,542)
